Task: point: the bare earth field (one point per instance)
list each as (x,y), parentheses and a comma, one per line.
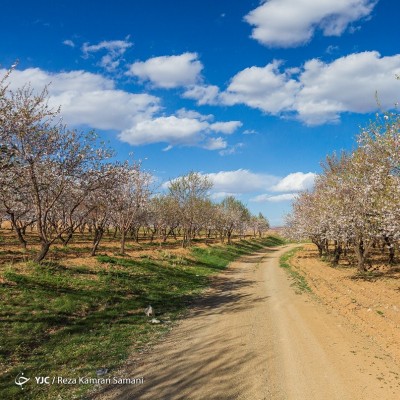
(252,337)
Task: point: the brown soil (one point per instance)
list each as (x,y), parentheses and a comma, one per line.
(369,303)
(252,337)
(78,250)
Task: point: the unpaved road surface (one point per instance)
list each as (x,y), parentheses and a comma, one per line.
(252,337)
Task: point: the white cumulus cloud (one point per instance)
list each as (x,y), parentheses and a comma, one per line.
(226,127)
(114,46)
(317,92)
(231,149)
(265,88)
(292,184)
(184,113)
(114,49)
(215,144)
(186,128)
(274,199)
(69,43)
(348,84)
(237,182)
(204,94)
(241,181)
(169,71)
(170,129)
(295,182)
(262,186)
(291,23)
(88,99)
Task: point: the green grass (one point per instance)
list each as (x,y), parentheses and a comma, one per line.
(71,321)
(299,282)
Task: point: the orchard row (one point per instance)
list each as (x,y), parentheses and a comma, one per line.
(57,182)
(355,204)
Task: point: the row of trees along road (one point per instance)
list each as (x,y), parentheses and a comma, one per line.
(58,182)
(355,204)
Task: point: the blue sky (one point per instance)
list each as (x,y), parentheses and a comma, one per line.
(254,94)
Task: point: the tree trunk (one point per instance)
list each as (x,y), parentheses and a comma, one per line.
(361,256)
(18,231)
(320,247)
(44,248)
(172,231)
(21,238)
(69,237)
(336,254)
(391,248)
(96,241)
(326,246)
(391,254)
(123,239)
(184,239)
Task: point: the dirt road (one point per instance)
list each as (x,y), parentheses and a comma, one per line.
(251,337)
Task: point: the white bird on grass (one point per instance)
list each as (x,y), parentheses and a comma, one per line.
(149,311)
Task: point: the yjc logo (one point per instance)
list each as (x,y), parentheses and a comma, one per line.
(20,380)
(40,380)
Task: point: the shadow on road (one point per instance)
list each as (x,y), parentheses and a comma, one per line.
(193,359)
